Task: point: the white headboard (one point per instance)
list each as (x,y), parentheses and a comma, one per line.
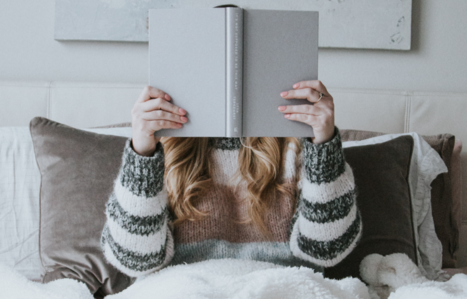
(86,105)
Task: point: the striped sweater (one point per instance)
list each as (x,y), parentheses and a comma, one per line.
(138,237)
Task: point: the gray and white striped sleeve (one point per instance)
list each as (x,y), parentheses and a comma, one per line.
(136,237)
(326,226)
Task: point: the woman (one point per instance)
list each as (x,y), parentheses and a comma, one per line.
(290,201)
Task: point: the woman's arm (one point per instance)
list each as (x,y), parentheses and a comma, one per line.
(326,225)
(136,237)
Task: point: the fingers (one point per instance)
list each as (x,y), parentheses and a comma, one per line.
(163,115)
(314,121)
(161,104)
(150,92)
(308,114)
(158,124)
(304,118)
(315,84)
(304,109)
(304,93)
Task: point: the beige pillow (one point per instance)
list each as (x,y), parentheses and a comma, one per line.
(77,170)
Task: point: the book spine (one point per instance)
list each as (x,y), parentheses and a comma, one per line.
(234,65)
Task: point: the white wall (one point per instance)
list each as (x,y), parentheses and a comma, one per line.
(437,61)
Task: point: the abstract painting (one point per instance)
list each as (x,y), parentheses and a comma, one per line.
(365,24)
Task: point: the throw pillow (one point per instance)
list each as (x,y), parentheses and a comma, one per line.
(444,201)
(381,173)
(19,208)
(77,170)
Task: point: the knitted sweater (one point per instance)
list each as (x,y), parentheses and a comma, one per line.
(138,237)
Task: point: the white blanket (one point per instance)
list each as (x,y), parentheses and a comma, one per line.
(242,279)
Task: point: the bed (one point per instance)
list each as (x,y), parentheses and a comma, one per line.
(90,105)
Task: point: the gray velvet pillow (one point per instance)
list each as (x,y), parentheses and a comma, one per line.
(77,172)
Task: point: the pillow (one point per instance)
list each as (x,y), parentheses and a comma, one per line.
(77,170)
(426,165)
(19,202)
(444,200)
(456,179)
(446,228)
(19,196)
(381,173)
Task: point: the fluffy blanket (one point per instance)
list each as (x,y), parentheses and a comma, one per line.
(394,275)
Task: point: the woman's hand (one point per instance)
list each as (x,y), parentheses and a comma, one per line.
(153,111)
(319,115)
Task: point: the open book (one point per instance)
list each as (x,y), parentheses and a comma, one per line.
(227,67)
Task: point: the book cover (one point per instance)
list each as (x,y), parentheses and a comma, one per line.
(227,66)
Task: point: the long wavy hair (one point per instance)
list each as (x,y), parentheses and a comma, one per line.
(260,163)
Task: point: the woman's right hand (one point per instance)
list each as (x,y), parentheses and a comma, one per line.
(153,111)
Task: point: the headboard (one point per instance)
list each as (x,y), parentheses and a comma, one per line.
(84,105)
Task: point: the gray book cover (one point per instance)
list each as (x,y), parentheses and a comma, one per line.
(227,67)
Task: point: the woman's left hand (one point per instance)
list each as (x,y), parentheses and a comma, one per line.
(319,115)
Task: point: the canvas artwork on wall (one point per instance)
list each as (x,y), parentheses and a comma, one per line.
(366,24)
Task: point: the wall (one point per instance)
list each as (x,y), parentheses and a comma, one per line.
(436,62)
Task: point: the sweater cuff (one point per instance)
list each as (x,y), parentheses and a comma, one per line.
(323,162)
(143,176)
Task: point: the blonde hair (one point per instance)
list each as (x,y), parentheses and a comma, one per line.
(261,163)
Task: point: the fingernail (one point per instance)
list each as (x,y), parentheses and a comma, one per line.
(281,108)
(284,93)
(167,96)
(182,111)
(183,118)
(287,115)
(295,85)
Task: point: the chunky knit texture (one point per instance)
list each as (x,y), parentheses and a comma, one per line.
(139,238)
